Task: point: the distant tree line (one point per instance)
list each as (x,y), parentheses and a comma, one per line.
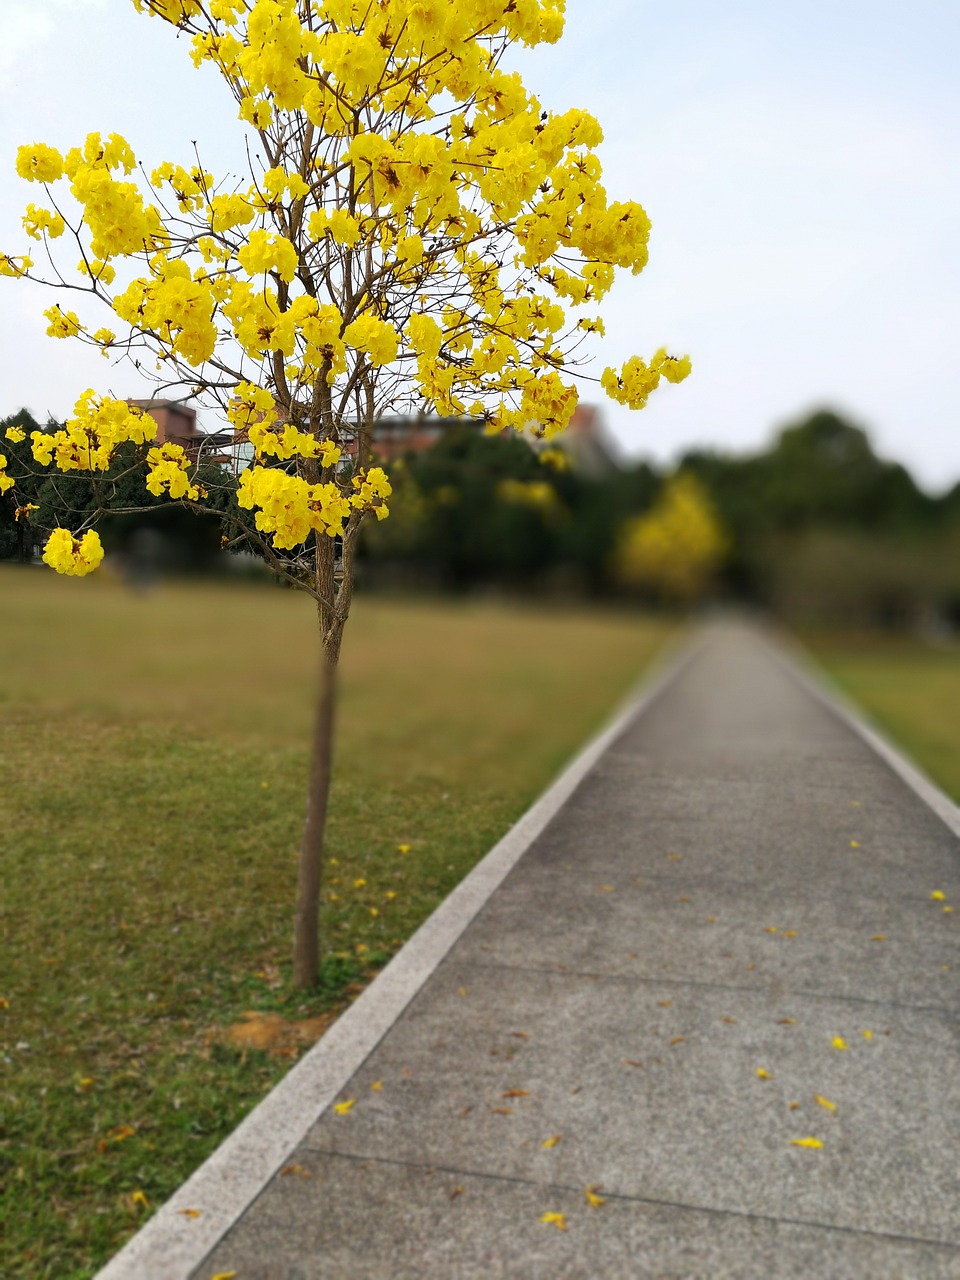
(815,527)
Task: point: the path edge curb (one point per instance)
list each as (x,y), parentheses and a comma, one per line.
(172,1244)
(811,676)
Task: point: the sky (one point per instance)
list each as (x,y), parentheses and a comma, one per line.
(799,164)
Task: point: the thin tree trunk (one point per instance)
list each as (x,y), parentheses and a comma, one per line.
(306,940)
(333,607)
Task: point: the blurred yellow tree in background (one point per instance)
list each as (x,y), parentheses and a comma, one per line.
(676,548)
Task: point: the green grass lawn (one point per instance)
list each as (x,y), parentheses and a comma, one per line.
(154,765)
(910,690)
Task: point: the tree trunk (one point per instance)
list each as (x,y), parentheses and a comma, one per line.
(333,607)
(306,941)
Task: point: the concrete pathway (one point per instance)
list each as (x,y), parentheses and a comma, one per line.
(729,919)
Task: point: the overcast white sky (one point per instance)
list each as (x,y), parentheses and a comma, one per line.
(799,163)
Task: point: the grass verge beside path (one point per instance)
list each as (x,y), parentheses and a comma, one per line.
(153,758)
(910,690)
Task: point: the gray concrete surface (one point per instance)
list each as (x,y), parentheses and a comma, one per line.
(620,991)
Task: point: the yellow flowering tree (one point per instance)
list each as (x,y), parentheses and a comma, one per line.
(414,233)
(675,549)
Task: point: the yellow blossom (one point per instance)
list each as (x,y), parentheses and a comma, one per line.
(39,163)
(14,266)
(554,1220)
(72,556)
(40,222)
(63,324)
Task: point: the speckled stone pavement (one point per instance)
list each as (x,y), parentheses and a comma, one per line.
(730,918)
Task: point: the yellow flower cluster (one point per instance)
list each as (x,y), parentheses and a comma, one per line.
(75,557)
(14,266)
(39,163)
(372,490)
(87,441)
(377,338)
(63,324)
(289,508)
(264,252)
(168,472)
(547,403)
(175,306)
(636,379)
(254,411)
(40,222)
(6,482)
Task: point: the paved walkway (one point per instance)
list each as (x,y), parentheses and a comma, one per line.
(651,1004)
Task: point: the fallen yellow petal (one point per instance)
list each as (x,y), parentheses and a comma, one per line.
(224,1275)
(938,895)
(838,1042)
(854,844)
(190,1213)
(463,991)
(763,1075)
(948,908)
(4,1002)
(551,1142)
(878,937)
(607,888)
(664,1004)
(515,1093)
(806,1142)
(555,1220)
(593,1200)
(771,928)
(403,848)
(825,1102)
(341,1108)
(867,1034)
(789,933)
(138,1197)
(377,1086)
(359,884)
(794,1106)
(787,1022)
(677,1039)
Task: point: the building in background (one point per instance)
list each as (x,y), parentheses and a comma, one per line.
(587,443)
(177,424)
